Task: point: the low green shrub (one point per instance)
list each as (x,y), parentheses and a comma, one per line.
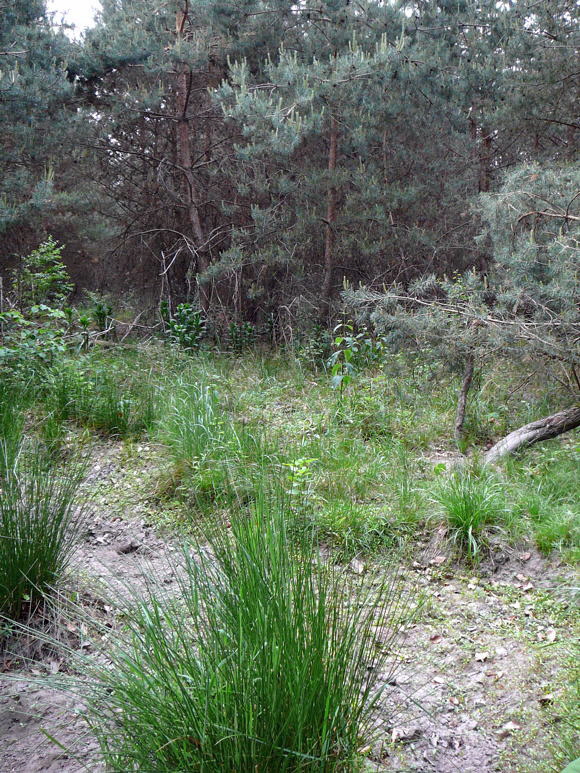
(315,348)
(187,327)
(42,277)
(241,336)
(99,311)
(30,343)
(354,350)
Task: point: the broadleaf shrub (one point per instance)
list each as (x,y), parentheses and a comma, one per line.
(187,327)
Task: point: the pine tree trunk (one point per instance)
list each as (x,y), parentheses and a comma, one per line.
(485,160)
(482,148)
(462,399)
(330,219)
(543,429)
(185,162)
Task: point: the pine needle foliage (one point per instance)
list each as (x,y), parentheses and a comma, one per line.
(525,307)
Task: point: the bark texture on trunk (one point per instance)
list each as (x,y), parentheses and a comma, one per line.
(543,429)
(485,153)
(185,162)
(330,219)
(462,399)
(481,137)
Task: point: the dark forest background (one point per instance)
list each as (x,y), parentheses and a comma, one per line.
(256,157)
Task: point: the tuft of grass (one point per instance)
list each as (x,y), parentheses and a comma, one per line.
(39,524)
(353,528)
(12,418)
(473,503)
(266,660)
(105,400)
(546,495)
(215,460)
(192,426)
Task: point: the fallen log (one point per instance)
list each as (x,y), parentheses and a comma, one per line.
(542,429)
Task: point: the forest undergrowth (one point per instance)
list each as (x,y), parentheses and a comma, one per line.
(304,509)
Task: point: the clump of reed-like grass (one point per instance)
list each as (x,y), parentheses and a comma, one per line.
(39,522)
(266,660)
(215,460)
(192,425)
(105,400)
(12,405)
(474,506)
(546,495)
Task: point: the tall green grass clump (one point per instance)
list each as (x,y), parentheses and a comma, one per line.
(214,458)
(546,495)
(12,406)
(39,523)
(266,660)
(104,399)
(473,504)
(192,426)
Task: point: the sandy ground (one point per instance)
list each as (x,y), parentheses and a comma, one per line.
(470,694)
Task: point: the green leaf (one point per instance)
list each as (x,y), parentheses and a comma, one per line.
(573,767)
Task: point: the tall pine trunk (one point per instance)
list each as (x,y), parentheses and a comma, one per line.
(329,236)
(185,162)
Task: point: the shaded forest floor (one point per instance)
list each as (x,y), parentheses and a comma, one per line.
(486,677)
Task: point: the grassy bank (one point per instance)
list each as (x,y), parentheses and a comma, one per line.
(359,475)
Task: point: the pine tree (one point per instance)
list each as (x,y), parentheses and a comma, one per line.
(525,309)
(33,90)
(314,161)
(160,140)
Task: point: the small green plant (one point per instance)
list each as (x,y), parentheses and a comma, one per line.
(187,327)
(473,503)
(241,336)
(29,344)
(299,476)
(84,323)
(102,311)
(40,523)
(265,660)
(42,277)
(353,351)
(315,348)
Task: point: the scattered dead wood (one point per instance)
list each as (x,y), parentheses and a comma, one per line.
(542,429)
